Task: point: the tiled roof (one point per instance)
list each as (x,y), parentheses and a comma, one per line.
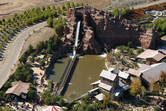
(108,75)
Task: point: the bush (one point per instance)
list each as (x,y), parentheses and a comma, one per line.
(157,108)
(139,51)
(147,99)
(144,106)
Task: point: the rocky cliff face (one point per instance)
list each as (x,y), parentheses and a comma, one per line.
(101,30)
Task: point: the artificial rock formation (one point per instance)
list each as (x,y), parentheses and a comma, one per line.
(101,30)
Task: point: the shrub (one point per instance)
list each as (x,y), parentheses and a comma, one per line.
(157,108)
(144,106)
(147,99)
(140,50)
(50,85)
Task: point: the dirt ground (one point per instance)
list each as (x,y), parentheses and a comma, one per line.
(40,35)
(9,7)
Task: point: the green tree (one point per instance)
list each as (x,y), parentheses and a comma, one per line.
(30,49)
(48,8)
(42,63)
(63,13)
(32,59)
(115,11)
(58,25)
(53,7)
(23,58)
(43,8)
(31,93)
(50,22)
(62,6)
(72,5)
(81,4)
(67,5)
(77,4)
(58,10)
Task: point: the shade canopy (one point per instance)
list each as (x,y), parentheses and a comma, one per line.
(52,108)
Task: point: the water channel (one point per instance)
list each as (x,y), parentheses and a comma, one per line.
(58,69)
(86,71)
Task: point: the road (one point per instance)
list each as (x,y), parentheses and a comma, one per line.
(15,51)
(140,5)
(149,4)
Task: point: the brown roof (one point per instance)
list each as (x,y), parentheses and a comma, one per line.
(18,88)
(156,55)
(134,72)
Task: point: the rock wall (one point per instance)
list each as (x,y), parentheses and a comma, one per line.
(101,30)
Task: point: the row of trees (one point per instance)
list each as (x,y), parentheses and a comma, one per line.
(10,26)
(122,11)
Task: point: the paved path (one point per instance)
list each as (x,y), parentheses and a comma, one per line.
(15,51)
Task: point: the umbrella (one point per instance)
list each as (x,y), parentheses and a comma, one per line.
(52,108)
